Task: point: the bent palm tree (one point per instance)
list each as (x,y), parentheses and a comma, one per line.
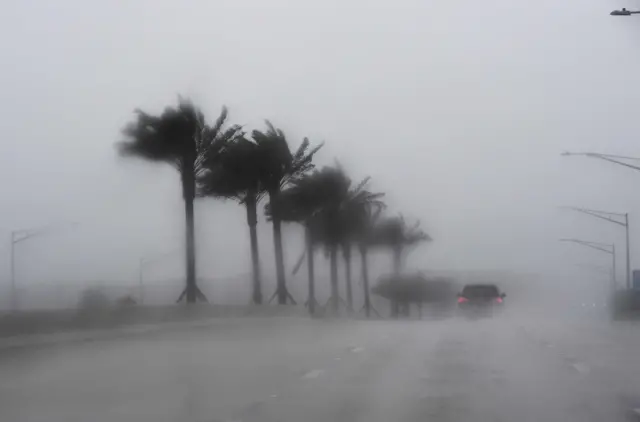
(235,174)
(395,234)
(339,208)
(300,203)
(359,207)
(278,166)
(180,137)
(365,207)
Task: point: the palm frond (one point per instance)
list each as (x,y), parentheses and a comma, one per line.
(279,166)
(173,137)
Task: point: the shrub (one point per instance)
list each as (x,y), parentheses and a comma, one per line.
(93,298)
(415,288)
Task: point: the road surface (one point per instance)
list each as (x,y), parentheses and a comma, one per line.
(294,369)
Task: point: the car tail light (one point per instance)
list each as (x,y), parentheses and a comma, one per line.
(498,300)
(462,300)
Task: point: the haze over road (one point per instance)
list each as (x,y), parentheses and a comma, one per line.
(293,369)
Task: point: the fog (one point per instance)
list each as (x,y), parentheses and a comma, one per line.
(458,112)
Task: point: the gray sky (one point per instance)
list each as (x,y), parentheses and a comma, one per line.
(458,111)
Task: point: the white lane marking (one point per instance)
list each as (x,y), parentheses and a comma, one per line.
(357,349)
(274,396)
(313,374)
(581,367)
(336,358)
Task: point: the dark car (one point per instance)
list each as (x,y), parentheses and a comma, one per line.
(480,299)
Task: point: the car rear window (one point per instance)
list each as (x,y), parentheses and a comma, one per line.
(480,291)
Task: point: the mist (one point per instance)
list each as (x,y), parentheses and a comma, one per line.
(458,116)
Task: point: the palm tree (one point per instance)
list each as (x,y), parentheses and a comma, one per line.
(235,174)
(365,217)
(180,137)
(301,203)
(360,208)
(278,166)
(339,208)
(395,234)
(346,256)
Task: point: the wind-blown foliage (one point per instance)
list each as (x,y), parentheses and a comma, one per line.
(235,174)
(301,204)
(416,288)
(395,234)
(181,137)
(331,210)
(221,161)
(278,167)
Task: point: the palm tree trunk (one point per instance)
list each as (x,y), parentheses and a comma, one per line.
(281,290)
(347,271)
(191,288)
(311,301)
(397,269)
(333,261)
(397,260)
(252,220)
(365,281)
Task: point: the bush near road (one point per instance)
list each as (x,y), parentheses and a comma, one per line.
(626,305)
(419,289)
(46,322)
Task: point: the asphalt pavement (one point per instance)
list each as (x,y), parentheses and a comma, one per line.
(508,368)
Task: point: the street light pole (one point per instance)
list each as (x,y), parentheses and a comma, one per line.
(615,218)
(18,236)
(609,248)
(612,158)
(616,160)
(141,281)
(626,227)
(614,282)
(14,298)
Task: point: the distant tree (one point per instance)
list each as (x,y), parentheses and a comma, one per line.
(416,288)
(301,203)
(127,300)
(278,166)
(93,298)
(331,209)
(394,233)
(360,209)
(181,137)
(236,174)
(365,211)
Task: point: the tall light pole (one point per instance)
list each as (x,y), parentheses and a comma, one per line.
(609,248)
(615,159)
(619,219)
(18,236)
(606,157)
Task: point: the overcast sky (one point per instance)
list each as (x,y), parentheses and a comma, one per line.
(457,110)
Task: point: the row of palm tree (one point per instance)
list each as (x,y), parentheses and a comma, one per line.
(223,161)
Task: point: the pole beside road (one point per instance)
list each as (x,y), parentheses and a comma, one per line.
(18,236)
(609,248)
(617,218)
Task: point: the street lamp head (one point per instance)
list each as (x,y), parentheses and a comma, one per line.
(623,12)
(571,153)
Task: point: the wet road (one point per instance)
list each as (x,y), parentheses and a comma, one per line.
(502,369)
